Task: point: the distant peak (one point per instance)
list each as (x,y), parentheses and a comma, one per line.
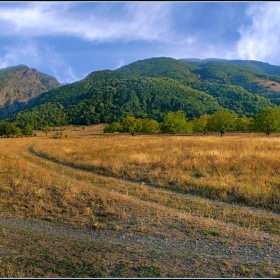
(191,59)
(20,66)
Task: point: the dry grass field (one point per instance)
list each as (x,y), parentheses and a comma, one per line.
(99,205)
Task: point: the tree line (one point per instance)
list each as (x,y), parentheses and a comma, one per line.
(8,129)
(266,121)
(221,121)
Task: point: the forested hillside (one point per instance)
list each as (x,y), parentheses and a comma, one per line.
(149,89)
(254,76)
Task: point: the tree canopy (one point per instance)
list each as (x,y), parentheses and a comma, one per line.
(267,120)
(200,124)
(175,122)
(8,129)
(221,121)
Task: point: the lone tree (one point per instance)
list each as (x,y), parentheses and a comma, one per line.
(175,122)
(267,120)
(47,129)
(221,121)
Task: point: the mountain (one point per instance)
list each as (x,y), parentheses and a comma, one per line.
(19,84)
(254,64)
(254,76)
(150,88)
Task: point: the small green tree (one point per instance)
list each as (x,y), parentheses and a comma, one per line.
(47,129)
(131,125)
(12,130)
(113,127)
(200,124)
(17,131)
(27,130)
(149,126)
(3,128)
(175,122)
(267,120)
(242,124)
(221,121)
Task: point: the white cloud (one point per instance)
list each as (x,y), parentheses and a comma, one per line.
(261,39)
(35,55)
(195,47)
(22,52)
(68,74)
(141,20)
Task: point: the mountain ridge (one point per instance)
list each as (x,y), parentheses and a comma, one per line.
(263,66)
(149,88)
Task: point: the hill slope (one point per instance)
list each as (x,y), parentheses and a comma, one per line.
(257,65)
(19,84)
(150,88)
(254,76)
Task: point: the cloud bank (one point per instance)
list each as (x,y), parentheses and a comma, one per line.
(261,39)
(68,39)
(136,21)
(34,54)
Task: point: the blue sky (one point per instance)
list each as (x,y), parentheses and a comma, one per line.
(69,40)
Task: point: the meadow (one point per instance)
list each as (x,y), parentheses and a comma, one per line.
(208,204)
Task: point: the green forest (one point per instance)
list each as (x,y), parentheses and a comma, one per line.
(221,121)
(149,89)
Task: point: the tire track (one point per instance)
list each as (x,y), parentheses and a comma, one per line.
(231,206)
(211,249)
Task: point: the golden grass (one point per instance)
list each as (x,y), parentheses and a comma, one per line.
(235,169)
(167,169)
(165,199)
(195,165)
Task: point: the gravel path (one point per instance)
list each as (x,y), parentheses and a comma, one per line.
(210,248)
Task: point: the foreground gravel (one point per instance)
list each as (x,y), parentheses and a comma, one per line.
(211,248)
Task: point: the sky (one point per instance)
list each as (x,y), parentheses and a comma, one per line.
(69,40)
